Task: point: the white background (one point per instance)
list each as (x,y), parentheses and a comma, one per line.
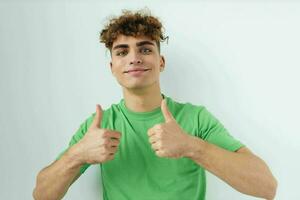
(238,58)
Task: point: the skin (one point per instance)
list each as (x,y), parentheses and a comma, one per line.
(142,93)
(242,169)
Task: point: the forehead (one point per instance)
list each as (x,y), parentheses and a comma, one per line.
(130,40)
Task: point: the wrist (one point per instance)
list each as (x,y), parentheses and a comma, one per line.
(194,147)
(75,156)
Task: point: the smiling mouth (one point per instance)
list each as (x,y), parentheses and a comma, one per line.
(137,70)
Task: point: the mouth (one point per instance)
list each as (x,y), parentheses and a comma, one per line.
(136,71)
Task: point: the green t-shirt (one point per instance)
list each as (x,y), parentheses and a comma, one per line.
(136,172)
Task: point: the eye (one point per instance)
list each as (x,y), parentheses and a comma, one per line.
(121,53)
(146,50)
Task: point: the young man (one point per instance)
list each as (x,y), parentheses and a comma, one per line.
(148,145)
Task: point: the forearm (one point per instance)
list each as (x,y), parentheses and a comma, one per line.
(245,172)
(54,181)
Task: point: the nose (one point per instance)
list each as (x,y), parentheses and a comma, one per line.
(135,59)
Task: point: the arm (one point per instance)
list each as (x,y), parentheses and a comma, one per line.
(97,146)
(243,170)
(54,181)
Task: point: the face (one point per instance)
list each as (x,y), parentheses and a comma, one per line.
(136,62)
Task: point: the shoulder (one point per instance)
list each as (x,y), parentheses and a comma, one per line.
(184,106)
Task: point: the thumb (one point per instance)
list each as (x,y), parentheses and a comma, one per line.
(166,113)
(98,117)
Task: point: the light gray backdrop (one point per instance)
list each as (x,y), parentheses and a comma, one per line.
(238,58)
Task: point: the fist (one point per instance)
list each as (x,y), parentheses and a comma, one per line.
(98,145)
(168,139)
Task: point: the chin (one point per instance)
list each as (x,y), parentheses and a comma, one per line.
(137,85)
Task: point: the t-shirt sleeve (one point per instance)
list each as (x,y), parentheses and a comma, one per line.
(77,137)
(212,130)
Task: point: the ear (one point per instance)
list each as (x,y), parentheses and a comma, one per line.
(111,67)
(162,63)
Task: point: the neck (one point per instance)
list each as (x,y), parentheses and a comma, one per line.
(144,99)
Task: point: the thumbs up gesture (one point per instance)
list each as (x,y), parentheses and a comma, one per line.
(98,145)
(168,139)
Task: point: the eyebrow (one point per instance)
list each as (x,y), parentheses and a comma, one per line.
(137,44)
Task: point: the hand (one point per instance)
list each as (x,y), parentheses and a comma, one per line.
(168,139)
(98,145)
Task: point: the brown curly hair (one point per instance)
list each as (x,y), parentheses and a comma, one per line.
(140,23)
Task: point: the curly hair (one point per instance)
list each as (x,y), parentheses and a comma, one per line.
(133,24)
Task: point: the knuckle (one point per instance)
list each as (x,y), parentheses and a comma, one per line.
(161,145)
(116,142)
(158,126)
(117,135)
(149,132)
(150,140)
(105,142)
(104,149)
(159,153)
(158,134)
(160,131)
(104,133)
